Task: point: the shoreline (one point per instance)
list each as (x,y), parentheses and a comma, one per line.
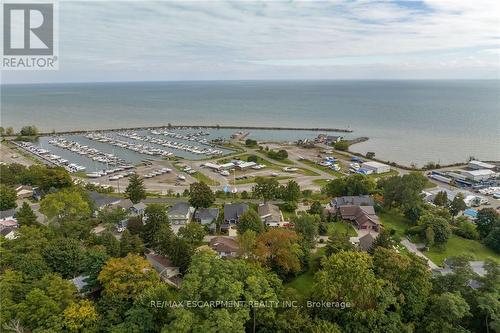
(268,128)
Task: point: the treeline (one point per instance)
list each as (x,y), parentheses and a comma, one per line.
(28,131)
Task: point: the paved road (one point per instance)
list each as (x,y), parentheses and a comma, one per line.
(413,249)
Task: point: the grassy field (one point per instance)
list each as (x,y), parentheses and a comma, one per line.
(456,246)
(303,283)
(342,228)
(201,177)
(250,180)
(321,182)
(394,220)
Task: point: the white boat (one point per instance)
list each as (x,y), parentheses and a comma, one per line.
(181,177)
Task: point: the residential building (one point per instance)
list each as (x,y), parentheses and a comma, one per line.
(226,247)
(138,209)
(180,213)
(206,216)
(24,191)
(168,272)
(358,209)
(270,214)
(7,214)
(233,212)
(101,201)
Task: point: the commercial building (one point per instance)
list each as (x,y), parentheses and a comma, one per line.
(477,165)
(376,167)
(479,175)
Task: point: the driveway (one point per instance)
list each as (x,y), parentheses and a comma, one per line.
(413,249)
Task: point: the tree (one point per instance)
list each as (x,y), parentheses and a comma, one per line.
(316,208)
(383,240)
(291,192)
(338,242)
(112,216)
(445,312)
(465,228)
(410,277)
(156,216)
(307,225)
(135,190)
(403,191)
(29,131)
(80,316)
(135,224)
(266,188)
(25,215)
(457,204)
(356,184)
(342,145)
(8,197)
(200,195)
(440,227)
(65,256)
(250,220)
(65,205)
(493,239)
(125,278)
(192,233)
(130,244)
(9,131)
(441,199)
(486,220)
(246,244)
(280,250)
(180,253)
(39,311)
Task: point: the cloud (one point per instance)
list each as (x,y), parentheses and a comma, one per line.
(166,40)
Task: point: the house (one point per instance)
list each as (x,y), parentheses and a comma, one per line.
(7,214)
(206,216)
(168,272)
(8,232)
(358,209)
(125,204)
(101,201)
(226,247)
(138,209)
(270,214)
(80,282)
(376,167)
(246,165)
(366,241)
(331,139)
(180,213)
(232,214)
(24,191)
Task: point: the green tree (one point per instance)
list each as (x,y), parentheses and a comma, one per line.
(280,250)
(180,253)
(192,233)
(445,312)
(356,184)
(465,228)
(8,197)
(266,188)
(200,195)
(307,225)
(441,199)
(342,145)
(112,216)
(29,131)
(316,208)
(338,242)
(250,220)
(80,316)
(135,190)
(440,227)
(130,244)
(486,220)
(39,311)
(457,204)
(291,192)
(9,131)
(247,243)
(65,205)
(493,239)
(65,256)
(156,216)
(25,215)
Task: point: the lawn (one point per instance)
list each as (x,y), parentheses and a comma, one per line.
(303,283)
(393,219)
(321,182)
(342,227)
(456,246)
(201,177)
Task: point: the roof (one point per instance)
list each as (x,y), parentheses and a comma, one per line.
(374,164)
(7,230)
(9,223)
(359,200)
(180,208)
(232,211)
(482,165)
(101,200)
(80,282)
(224,244)
(480,172)
(269,211)
(366,241)
(139,206)
(158,260)
(246,165)
(125,203)
(206,213)
(7,213)
(470,212)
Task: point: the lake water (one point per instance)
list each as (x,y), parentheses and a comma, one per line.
(406,121)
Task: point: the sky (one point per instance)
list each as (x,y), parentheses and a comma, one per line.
(242,40)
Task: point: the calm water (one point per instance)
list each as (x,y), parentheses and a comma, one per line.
(407,121)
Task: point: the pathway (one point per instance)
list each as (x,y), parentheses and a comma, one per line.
(413,249)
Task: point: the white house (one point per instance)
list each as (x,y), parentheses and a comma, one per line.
(376,167)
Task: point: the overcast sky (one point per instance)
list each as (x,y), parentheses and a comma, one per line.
(126,41)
